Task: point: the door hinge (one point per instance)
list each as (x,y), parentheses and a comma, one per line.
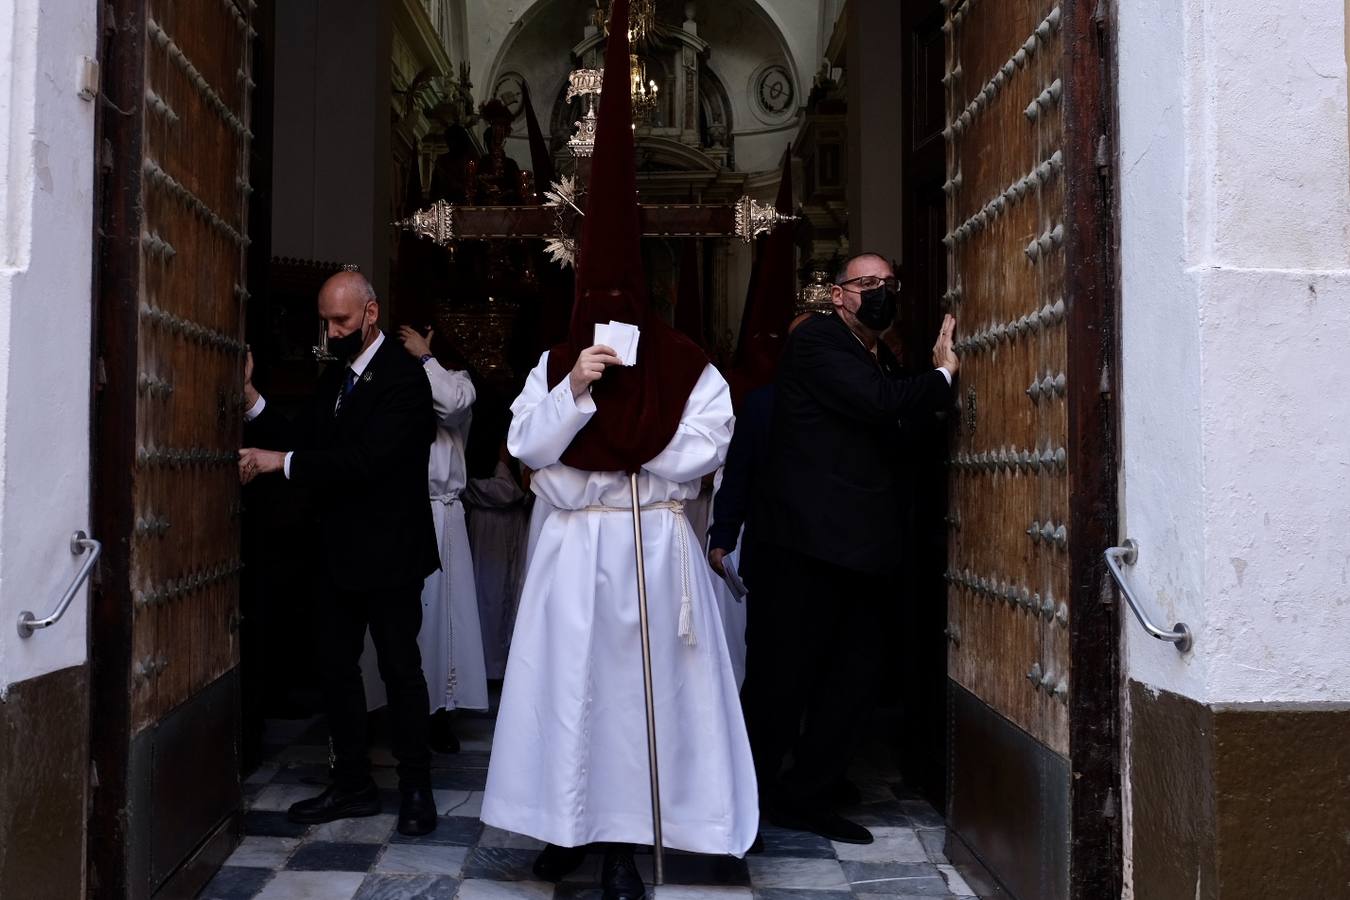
(1103,159)
(1099,15)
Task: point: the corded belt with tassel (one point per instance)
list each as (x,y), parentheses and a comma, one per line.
(686,597)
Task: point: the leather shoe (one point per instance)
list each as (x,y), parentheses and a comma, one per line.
(846,793)
(337,802)
(417,813)
(825,823)
(555,863)
(619,876)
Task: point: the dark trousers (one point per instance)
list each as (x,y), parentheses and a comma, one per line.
(813,658)
(394,616)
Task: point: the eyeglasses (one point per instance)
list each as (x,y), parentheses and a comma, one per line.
(870,283)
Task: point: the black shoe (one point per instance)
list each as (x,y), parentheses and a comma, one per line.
(337,802)
(555,863)
(846,793)
(823,822)
(417,813)
(619,877)
(441,733)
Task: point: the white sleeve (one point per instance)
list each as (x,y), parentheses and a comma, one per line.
(452,394)
(543,421)
(946,373)
(256,409)
(286,465)
(700,443)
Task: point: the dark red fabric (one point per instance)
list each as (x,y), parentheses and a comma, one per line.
(770,302)
(555,282)
(540,158)
(638,408)
(689,297)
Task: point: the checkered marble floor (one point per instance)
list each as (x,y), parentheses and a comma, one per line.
(366,859)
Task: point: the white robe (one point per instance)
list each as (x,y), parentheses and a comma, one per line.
(539,514)
(733,616)
(569,760)
(699,512)
(498,525)
(733,610)
(451,639)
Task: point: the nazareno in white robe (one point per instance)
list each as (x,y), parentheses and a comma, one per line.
(451,639)
(499,516)
(569,759)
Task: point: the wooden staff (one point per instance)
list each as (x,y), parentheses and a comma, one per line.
(658,851)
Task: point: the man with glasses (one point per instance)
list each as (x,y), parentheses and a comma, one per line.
(829,518)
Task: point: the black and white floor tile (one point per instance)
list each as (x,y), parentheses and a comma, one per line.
(366,859)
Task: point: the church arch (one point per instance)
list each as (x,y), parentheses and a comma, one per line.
(745,36)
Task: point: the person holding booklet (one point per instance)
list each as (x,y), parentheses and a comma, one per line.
(731,551)
(570,762)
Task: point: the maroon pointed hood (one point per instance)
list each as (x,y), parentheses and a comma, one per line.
(770,302)
(689,297)
(540,159)
(638,408)
(555,283)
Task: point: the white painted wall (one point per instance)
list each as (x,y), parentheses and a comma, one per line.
(1235,329)
(1235,181)
(1163,496)
(46,227)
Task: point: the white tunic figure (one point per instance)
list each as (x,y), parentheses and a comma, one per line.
(569,760)
(731,606)
(732,609)
(498,524)
(451,640)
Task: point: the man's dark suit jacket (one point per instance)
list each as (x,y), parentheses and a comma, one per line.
(735,501)
(833,483)
(367,465)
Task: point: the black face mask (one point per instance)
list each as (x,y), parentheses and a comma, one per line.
(346,348)
(878,307)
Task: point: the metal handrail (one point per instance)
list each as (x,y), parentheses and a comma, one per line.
(1127,554)
(79,543)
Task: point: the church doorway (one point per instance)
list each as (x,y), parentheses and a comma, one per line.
(1006,672)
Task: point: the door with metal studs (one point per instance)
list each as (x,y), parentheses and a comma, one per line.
(174,219)
(1030,463)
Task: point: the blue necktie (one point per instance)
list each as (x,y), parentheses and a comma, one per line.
(348,382)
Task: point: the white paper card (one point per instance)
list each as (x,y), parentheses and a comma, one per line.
(620,336)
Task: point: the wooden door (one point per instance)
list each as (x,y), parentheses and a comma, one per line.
(175,149)
(1032,665)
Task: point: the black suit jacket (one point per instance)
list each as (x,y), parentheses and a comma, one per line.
(735,501)
(367,466)
(834,480)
